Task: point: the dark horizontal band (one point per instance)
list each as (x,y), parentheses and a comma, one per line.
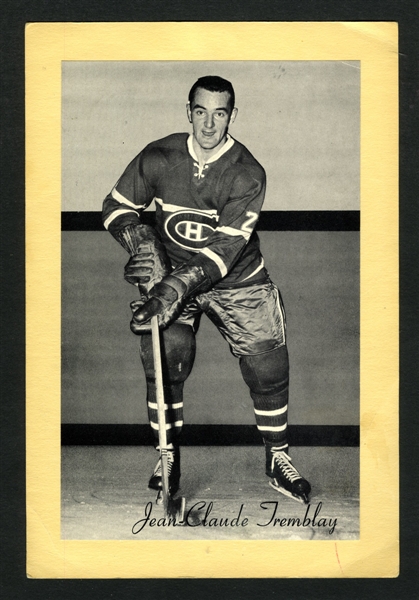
(270,220)
(206,435)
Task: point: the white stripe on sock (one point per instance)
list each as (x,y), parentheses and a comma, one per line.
(272,413)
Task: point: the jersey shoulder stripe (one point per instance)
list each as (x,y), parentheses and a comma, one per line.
(233,231)
(167,207)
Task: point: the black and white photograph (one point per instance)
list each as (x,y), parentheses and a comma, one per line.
(210,300)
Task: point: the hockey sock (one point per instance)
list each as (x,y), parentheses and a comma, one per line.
(271,414)
(267,376)
(173,400)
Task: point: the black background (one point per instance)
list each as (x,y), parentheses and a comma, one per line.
(15,14)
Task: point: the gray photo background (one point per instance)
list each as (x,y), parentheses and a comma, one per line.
(301,120)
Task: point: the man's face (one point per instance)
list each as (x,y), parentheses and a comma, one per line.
(210,115)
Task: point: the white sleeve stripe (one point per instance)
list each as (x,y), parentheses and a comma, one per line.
(175,208)
(272,413)
(115,214)
(214,257)
(262,264)
(232,231)
(122,200)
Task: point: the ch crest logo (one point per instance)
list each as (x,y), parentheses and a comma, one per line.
(190,229)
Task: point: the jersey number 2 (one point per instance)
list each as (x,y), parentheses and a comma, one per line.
(248,225)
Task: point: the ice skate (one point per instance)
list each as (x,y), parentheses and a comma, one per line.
(284,476)
(173,468)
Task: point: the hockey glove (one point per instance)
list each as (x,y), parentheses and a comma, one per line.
(149,262)
(168,297)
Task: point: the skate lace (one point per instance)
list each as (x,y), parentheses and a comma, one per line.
(281,458)
(170,461)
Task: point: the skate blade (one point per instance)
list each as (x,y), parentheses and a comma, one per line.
(176,509)
(278,488)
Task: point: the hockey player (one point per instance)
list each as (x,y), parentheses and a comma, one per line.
(204,257)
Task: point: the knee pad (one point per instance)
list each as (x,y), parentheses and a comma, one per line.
(178,348)
(267,373)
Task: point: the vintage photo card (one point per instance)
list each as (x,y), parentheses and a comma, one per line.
(282,206)
(215,397)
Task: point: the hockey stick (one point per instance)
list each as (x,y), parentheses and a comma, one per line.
(173,508)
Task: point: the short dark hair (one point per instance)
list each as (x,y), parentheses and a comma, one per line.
(213,83)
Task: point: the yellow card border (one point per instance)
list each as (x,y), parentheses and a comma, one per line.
(376,553)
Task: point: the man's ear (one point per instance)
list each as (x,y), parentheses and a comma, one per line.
(188,112)
(233,115)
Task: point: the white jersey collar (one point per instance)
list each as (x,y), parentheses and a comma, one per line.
(229,143)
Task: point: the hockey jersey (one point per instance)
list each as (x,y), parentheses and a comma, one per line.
(205,214)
